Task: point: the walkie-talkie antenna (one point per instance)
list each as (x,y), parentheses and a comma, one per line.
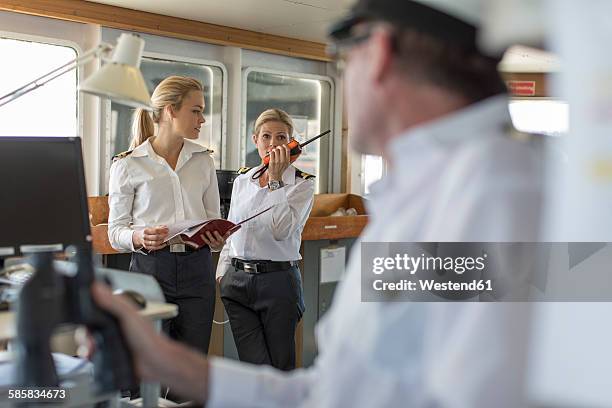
(315,138)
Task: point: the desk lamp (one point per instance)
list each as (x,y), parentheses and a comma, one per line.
(120,79)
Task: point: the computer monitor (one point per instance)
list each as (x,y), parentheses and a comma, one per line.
(225,180)
(43,199)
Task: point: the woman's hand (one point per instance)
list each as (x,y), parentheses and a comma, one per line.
(219,279)
(215,241)
(150,238)
(279,161)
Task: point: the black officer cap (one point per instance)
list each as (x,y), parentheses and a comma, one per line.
(407,14)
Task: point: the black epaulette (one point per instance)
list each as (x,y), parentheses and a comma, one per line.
(122,155)
(304,175)
(243,170)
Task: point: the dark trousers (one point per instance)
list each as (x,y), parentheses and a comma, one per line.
(264,310)
(187,280)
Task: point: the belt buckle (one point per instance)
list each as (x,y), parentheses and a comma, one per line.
(250,268)
(177,248)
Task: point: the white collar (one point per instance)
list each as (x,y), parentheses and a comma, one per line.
(189,147)
(144,149)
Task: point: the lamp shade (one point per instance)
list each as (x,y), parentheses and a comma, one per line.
(121,79)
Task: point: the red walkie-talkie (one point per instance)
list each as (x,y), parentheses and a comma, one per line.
(295,149)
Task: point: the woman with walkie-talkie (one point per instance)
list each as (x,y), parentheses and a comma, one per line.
(258,272)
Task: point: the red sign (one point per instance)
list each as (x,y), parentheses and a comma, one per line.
(522,88)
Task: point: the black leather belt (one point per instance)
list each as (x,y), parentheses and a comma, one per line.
(179,249)
(261,266)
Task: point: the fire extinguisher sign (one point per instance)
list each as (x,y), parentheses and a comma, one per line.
(521,88)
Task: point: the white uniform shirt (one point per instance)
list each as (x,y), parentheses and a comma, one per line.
(275,235)
(145,191)
(460,178)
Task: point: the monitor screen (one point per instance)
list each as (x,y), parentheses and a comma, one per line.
(225,180)
(43,199)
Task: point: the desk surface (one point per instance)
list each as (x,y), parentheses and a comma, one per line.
(153,311)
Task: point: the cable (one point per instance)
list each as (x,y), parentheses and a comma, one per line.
(220,323)
(259,172)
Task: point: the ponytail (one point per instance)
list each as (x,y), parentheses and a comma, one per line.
(143,128)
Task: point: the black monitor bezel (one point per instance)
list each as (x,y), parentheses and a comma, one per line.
(75,142)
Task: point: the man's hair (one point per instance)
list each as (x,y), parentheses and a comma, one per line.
(465,72)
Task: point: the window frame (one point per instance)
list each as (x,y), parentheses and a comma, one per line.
(539,99)
(298,75)
(79,69)
(362,179)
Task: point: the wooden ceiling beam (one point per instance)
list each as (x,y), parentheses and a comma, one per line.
(158,24)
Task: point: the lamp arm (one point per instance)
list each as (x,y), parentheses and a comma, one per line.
(49,76)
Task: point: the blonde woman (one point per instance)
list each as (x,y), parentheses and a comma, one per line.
(258,270)
(168,178)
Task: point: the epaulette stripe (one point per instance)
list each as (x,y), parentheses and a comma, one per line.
(122,155)
(304,175)
(243,170)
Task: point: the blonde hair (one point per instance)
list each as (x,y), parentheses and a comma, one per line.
(274,115)
(170,91)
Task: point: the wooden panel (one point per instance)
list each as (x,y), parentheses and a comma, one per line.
(98,210)
(356,202)
(215,347)
(345,160)
(101,245)
(98,219)
(321,226)
(334,227)
(151,23)
(326,204)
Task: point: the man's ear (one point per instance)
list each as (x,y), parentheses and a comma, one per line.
(254,138)
(381,54)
